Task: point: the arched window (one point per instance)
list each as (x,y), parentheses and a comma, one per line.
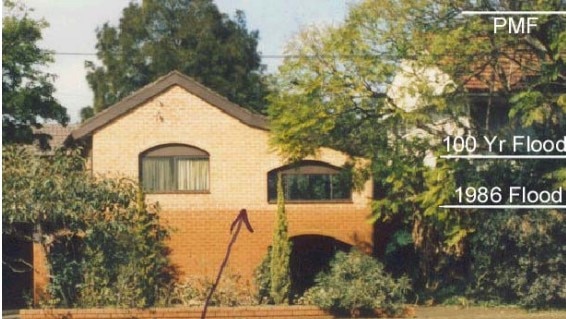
(174,168)
(311,181)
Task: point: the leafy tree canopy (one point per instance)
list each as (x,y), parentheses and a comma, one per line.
(192,36)
(104,247)
(27,91)
(341,88)
(335,88)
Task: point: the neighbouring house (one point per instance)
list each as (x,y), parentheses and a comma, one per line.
(489,82)
(203,158)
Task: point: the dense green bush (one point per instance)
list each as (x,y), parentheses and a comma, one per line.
(125,259)
(357,283)
(520,258)
(103,245)
(262,280)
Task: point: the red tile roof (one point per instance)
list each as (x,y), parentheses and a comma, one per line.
(510,70)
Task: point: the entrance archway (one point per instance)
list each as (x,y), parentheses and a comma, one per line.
(311,254)
(17,275)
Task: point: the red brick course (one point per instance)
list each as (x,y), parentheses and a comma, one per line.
(199,239)
(275,312)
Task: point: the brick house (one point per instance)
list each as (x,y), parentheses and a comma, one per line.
(219,160)
(203,158)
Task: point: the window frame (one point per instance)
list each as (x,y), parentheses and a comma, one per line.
(174,152)
(308,165)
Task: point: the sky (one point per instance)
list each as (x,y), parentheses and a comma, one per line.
(73,24)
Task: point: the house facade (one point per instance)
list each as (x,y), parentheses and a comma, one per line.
(203,159)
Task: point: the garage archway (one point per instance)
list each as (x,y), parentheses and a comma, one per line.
(311,254)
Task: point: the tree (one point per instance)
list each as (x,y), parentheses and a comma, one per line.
(340,88)
(104,247)
(191,36)
(535,97)
(280,284)
(518,258)
(27,91)
(334,91)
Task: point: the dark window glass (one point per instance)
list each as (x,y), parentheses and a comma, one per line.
(311,182)
(497,117)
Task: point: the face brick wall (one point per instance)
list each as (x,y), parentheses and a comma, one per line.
(240,158)
(274,312)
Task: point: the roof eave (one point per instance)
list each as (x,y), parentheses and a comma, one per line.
(155,88)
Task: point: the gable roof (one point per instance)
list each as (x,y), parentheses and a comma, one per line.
(160,85)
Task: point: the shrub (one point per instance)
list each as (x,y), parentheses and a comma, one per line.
(103,245)
(357,283)
(262,280)
(280,285)
(519,258)
(194,290)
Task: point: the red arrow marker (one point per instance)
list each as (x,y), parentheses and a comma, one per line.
(237,223)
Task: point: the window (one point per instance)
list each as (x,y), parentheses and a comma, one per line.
(311,181)
(489,119)
(175,168)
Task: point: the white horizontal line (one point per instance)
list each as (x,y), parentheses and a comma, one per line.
(506,206)
(513,12)
(505,156)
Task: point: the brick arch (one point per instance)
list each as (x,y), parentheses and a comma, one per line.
(311,254)
(341,236)
(324,162)
(180,146)
(305,163)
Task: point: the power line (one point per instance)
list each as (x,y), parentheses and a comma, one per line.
(265,56)
(74,53)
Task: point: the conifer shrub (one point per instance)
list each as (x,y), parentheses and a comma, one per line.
(280,272)
(262,280)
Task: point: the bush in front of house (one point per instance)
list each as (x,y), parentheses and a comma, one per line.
(520,258)
(262,280)
(193,291)
(357,284)
(103,245)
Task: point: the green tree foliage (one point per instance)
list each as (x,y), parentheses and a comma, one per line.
(340,88)
(280,284)
(262,280)
(104,247)
(520,258)
(27,91)
(335,92)
(518,246)
(192,36)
